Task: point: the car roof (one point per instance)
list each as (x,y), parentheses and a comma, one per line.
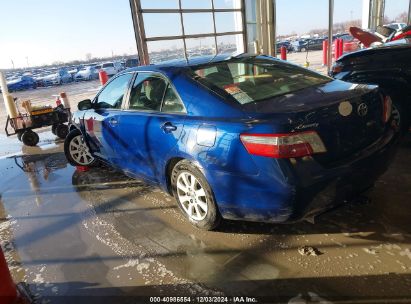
(185,64)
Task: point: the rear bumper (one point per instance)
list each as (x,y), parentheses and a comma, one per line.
(323,188)
(306,188)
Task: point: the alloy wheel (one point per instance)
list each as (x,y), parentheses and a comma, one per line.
(192,196)
(79,151)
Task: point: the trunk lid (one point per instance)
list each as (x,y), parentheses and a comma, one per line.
(347,117)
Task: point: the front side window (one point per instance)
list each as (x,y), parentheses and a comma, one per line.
(254,79)
(112,95)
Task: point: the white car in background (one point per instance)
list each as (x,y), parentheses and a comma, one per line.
(86,73)
(396,26)
(111,68)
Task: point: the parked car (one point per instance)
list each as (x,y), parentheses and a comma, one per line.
(131,63)
(238,137)
(111,68)
(299,45)
(58,78)
(387,65)
(286,44)
(86,73)
(396,25)
(73,71)
(21,83)
(315,44)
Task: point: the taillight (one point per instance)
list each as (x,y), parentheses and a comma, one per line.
(283,145)
(387,109)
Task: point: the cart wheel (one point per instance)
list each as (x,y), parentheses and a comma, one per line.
(53,129)
(62,131)
(30,138)
(19,134)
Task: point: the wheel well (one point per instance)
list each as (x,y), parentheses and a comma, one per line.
(169,168)
(72,127)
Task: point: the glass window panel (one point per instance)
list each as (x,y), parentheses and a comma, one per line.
(226,22)
(230,44)
(165,50)
(112,95)
(163,4)
(193,4)
(198,23)
(227,4)
(348,15)
(147,93)
(396,11)
(171,102)
(250,10)
(160,25)
(200,46)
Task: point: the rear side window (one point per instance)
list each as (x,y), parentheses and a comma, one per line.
(254,80)
(153,93)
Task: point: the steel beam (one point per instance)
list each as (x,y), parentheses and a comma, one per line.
(409,13)
(139,32)
(330,33)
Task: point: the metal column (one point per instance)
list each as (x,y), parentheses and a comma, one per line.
(330,33)
(409,13)
(376,13)
(139,32)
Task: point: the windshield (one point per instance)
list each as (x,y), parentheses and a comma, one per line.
(255,79)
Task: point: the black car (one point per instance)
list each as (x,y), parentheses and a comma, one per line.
(389,66)
(286,44)
(315,44)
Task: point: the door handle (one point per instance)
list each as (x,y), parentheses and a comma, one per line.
(168,127)
(113,122)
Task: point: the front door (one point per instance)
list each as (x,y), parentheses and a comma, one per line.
(102,122)
(151,124)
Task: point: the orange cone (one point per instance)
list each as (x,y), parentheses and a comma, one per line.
(8,291)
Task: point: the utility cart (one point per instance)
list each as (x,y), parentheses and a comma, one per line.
(24,124)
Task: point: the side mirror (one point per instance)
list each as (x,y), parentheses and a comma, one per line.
(85,105)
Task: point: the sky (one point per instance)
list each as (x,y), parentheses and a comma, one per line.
(41,32)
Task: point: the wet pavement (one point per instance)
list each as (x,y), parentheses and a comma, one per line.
(67,233)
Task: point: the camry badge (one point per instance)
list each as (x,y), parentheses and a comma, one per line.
(362,109)
(345,108)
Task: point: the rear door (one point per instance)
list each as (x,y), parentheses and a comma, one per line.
(150,126)
(102,122)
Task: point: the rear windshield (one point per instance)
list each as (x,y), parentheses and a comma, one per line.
(108,65)
(252,80)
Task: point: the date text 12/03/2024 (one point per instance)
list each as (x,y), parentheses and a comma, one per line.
(221,299)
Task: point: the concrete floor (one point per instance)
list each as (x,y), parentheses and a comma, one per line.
(67,233)
(100,233)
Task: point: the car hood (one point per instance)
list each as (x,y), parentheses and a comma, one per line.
(403,44)
(310,98)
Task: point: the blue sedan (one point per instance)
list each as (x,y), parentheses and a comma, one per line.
(238,137)
(22,83)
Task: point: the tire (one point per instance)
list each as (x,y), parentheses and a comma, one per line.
(19,135)
(400,115)
(30,138)
(74,157)
(62,131)
(203,208)
(53,129)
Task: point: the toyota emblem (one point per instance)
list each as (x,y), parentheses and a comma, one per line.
(362,109)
